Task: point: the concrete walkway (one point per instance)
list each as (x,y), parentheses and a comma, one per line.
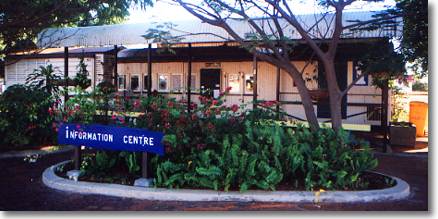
(21,188)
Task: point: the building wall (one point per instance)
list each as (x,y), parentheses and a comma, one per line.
(17,72)
(360,98)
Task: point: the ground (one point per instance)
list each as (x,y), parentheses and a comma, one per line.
(21,188)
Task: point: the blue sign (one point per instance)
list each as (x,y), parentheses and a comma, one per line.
(111,137)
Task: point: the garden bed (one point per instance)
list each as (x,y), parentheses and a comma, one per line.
(399,190)
(373,179)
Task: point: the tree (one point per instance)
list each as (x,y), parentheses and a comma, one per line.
(21,22)
(269,42)
(414,43)
(414,38)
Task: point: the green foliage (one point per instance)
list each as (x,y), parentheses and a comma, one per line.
(19,25)
(43,77)
(23,116)
(131,161)
(229,148)
(383,63)
(419,86)
(414,44)
(81,78)
(99,163)
(263,156)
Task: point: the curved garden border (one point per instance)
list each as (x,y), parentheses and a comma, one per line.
(24,153)
(400,191)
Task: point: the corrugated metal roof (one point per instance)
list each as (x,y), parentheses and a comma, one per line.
(195,31)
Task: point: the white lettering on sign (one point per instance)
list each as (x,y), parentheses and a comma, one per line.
(129,139)
(82,135)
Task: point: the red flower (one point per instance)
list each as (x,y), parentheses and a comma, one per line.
(170,104)
(214,102)
(136,104)
(194,117)
(194,106)
(207,113)
(50,111)
(167,125)
(210,126)
(234,108)
(164,114)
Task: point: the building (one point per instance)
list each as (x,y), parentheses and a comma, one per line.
(208,58)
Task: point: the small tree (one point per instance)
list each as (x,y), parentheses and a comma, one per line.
(81,78)
(44,77)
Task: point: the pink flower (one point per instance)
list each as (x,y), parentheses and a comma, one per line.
(122,120)
(78,126)
(113,117)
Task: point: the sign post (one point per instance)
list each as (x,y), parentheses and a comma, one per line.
(112,138)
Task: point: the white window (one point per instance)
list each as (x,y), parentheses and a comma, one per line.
(121,82)
(193,82)
(163,83)
(234,83)
(249,83)
(135,82)
(176,83)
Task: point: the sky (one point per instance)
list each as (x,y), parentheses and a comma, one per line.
(163,11)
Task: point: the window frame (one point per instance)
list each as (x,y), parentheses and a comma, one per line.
(246,77)
(229,76)
(139,82)
(181,88)
(355,75)
(124,82)
(168,83)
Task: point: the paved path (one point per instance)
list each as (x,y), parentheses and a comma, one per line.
(21,189)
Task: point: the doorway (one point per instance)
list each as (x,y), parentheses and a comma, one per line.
(210,82)
(341,69)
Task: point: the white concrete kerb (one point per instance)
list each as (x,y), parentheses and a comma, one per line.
(400,191)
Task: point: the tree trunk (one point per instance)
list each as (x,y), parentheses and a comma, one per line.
(307,102)
(335,96)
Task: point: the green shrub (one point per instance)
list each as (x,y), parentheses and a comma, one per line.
(24,117)
(265,156)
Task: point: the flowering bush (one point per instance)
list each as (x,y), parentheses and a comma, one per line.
(224,147)
(23,116)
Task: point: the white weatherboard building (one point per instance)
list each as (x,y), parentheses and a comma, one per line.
(215,60)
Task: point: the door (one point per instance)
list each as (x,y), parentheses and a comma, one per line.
(210,82)
(341,69)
